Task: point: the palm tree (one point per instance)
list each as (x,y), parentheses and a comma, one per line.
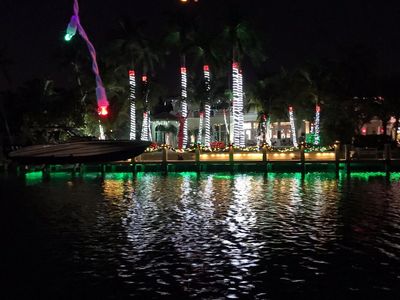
(244,42)
(136,49)
(181,37)
(206,49)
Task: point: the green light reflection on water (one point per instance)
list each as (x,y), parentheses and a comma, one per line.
(33,178)
(366,175)
(37,176)
(118,176)
(395,176)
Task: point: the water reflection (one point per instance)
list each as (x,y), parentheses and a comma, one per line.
(213,235)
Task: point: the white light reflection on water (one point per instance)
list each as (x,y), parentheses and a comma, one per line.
(212,232)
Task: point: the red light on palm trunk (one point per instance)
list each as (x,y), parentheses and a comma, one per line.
(206,68)
(103,111)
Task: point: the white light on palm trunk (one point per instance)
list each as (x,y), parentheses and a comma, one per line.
(144,136)
(149,126)
(317,137)
(269,131)
(146,132)
(200,136)
(236,103)
(207,133)
(132,104)
(184,105)
(101,130)
(207,107)
(226,124)
(292,126)
(240,107)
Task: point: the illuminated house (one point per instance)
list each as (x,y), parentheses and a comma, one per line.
(165,128)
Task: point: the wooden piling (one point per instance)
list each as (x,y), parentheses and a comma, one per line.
(302,158)
(337,156)
(347,157)
(164,162)
(231,159)
(387,158)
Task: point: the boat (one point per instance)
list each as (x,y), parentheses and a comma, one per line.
(86,151)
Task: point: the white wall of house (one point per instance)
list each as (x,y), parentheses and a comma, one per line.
(281,131)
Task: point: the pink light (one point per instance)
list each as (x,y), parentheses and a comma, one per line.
(290,108)
(364,130)
(235,65)
(131,73)
(317,108)
(206,68)
(103,111)
(144,78)
(183,69)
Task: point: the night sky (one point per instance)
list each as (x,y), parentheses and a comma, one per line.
(294,31)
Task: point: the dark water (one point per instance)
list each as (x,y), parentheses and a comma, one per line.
(209,237)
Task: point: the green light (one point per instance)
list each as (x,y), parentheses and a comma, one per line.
(68,37)
(367,175)
(119,176)
(395,176)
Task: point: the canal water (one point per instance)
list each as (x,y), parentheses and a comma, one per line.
(208,236)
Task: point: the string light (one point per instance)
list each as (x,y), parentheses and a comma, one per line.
(263,130)
(146,132)
(292,126)
(207,107)
(73,26)
(269,131)
(236,103)
(316,126)
(200,135)
(101,130)
(132,103)
(184,106)
(240,108)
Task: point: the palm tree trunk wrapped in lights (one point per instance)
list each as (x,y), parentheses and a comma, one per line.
(102,136)
(146,132)
(226,125)
(263,128)
(292,126)
(200,135)
(184,108)
(132,104)
(207,107)
(317,137)
(268,131)
(238,125)
(241,115)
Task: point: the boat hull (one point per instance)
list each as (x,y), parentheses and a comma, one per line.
(95,151)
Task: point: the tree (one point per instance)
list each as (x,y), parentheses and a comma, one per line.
(180,37)
(243,41)
(137,52)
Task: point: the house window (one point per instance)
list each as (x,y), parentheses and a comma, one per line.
(247,125)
